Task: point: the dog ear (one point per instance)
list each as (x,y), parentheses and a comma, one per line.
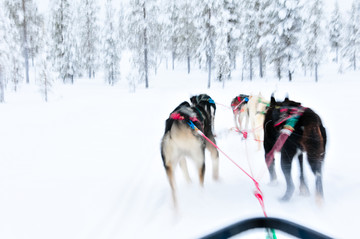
(193,100)
(287,97)
(272,101)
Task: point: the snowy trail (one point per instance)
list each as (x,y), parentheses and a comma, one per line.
(88,165)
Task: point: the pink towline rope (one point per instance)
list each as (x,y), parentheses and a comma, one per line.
(258,193)
(225,106)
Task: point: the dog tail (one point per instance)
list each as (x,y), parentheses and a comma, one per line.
(323,133)
(315,140)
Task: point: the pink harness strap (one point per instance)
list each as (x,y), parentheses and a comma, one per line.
(176,116)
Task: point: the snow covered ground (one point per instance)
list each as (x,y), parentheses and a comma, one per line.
(87,164)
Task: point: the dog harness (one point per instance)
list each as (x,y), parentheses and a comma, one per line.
(192,119)
(178,116)
(290,116)
(290,121)
(241,99)
(260,101)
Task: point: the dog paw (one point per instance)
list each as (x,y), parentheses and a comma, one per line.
(319,201)
(285,198)
(304,191)
(273,183)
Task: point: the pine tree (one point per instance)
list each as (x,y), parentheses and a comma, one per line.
(35,22)
(121,28)
(173,13)
(45,78)
(335,31)
(111,46)
(233,38)
(156,37)
(206,25)
(89,35)
(352,44)
(314,46)
(250,34)
(4,54)
(16,66)
(63,40)
(24,15)
(142,36)
(13,66)
(222,53)
(188,36)
(285,26)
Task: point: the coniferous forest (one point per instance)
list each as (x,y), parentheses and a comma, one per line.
(73,39)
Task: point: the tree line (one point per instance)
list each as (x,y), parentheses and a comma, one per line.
(79,38)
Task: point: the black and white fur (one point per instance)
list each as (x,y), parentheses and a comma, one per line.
(180,142)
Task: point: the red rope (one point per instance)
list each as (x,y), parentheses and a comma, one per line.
(257,193)
(225,106)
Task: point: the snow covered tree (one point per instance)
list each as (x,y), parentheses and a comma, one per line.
(187,34)
(285,26)
(156,36)
(142,36)
(121,28)
(250,28)
(352,44)
(111,46)
(222,53)
(89,38)
(16,65)
(4,54)
(314,30)
(35,22)
(63,40)
(206,25)
(233,8)
(336,30)
(45,78)
(172,27)
(13,65)
(24,15)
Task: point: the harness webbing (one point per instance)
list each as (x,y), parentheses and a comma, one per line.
(285,132)
(241,100)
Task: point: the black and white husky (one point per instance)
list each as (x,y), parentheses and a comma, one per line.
(181,140)
(289,128)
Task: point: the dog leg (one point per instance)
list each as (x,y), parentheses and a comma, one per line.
(167,154)
(304,190)
(215,157)
(184,168)
(286,160)
(170,175)
(247,116)
(316,168)
(273,176)
(236,120)
(198,155)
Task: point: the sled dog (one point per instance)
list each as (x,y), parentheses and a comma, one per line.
(239,105)
(181,141)
(290,128)
(208,104)
(257,107)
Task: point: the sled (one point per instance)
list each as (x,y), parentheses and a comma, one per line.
(288,227)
